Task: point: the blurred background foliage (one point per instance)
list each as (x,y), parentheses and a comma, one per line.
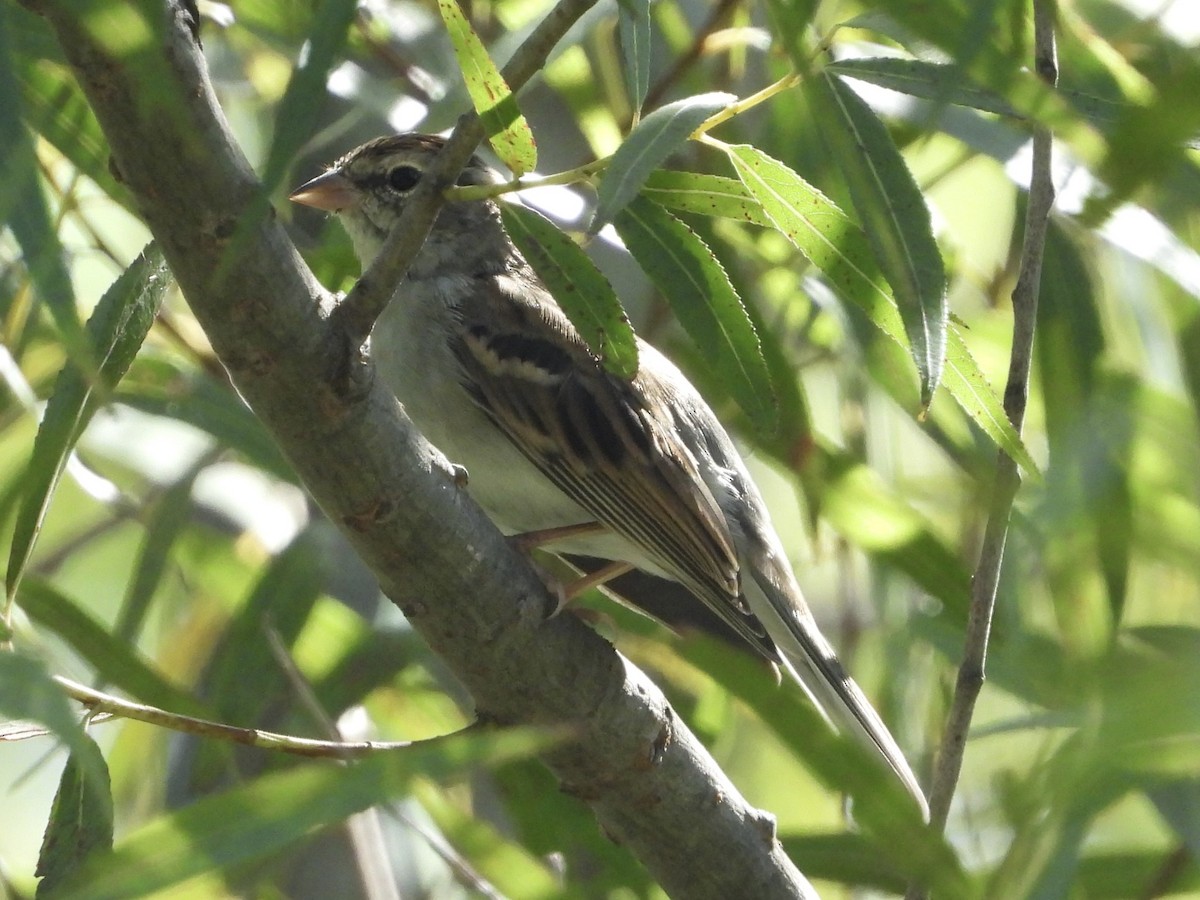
(180,564)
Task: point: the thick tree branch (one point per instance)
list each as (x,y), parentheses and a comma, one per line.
(652,786)
(971,670)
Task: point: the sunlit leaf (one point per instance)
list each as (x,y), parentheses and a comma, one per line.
(705,195)
(894,217)
(116,331)
(275,811)
(507,129)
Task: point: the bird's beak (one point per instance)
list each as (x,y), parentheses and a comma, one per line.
(332,192)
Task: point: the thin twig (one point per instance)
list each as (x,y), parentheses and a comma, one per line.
(356,315)
(98,701)
(971,671)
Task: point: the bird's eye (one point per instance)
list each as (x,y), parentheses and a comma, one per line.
(404,178)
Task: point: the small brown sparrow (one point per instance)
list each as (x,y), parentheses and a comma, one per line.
(491,370)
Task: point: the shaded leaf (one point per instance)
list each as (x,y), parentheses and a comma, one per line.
(633,29)
(684,270)
(116,331)
(895,219)
(28,692)
(298,111)
(169,513)
(512,869)
(275,811)
(507,129)
(881,805)
(579,287)
(23,208)
(114,659)
(652,140)
(941,82)
(81,819)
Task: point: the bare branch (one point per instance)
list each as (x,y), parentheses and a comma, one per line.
(972,669)
(98,701)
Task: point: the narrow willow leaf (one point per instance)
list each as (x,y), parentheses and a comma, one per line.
(969,386)
(116,331)
(848,858)
(684,269)
(81,819)
(115,660)
(297,114)
(946,83)
(275,811)
(881,806)
(941,82)
(57,110)
(168,514)
(835,244)
(284,596)
(654,138)
(579,287)
(633,28)
(507,129)
(28,692)
(705,195)
(23,208)
(508,866)
(894,216)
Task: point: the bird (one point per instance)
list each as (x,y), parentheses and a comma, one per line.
(638,471)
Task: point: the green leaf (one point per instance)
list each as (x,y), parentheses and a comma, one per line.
(278,810)
(509,867)
(167,516)
(633,29)
(881,806)
(579,287)
(705,195)
(940,82)
(837,246)
(81,819)
(684,269)
(299,109)
(116,331)
(969,387)
(847,857)
(28,692)
(281,600)
(114,659)
(57,110)
(159,387)
(894,216)
(507,129)
(23,208)
(652,140)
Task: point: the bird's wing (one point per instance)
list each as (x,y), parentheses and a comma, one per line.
(603,441)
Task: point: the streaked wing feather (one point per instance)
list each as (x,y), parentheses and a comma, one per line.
(600,441)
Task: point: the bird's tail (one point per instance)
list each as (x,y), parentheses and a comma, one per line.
(811,661)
